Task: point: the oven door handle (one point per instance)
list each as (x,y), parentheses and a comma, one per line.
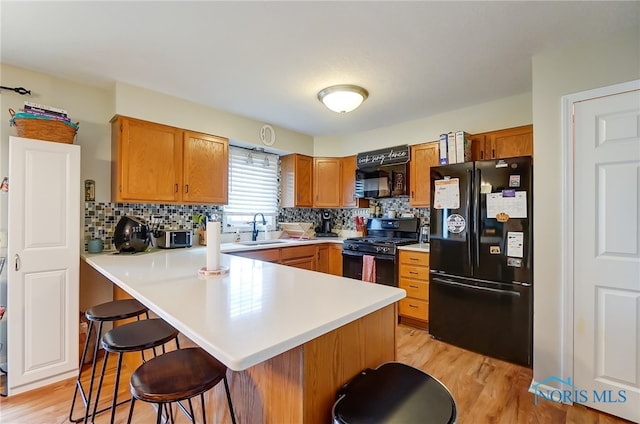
(467,286)
(361,254)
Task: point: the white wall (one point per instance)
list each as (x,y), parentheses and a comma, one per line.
(156,107)
(503,113)
(92,107)
(555,74)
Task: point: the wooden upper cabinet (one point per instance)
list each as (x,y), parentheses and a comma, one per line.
(296,181)
(206,168)
(327,187)
(508,143)
(348,198)
(146,161)
(155,163)
(423,157)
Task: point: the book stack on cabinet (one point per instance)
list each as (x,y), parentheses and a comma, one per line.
(42,122)
(455,147)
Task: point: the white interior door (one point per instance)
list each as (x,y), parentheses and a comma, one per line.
(43,262)
(607,252)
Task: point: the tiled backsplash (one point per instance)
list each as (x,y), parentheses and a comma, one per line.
(101,218)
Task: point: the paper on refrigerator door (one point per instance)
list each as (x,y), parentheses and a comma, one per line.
(515,206)
(515,244)
(447,194)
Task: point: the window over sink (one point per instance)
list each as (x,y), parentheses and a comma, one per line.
(253,188)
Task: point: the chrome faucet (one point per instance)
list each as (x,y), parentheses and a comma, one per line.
(254,234)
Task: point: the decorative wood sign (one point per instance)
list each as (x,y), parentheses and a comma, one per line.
(396,155)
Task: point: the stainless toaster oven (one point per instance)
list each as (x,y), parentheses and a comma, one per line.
(171,239)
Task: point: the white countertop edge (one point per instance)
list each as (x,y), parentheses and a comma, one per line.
(240,364)
(418,247)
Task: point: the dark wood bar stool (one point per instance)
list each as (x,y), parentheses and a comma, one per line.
(136,336)
(105,312)
(394,393)
(177,376)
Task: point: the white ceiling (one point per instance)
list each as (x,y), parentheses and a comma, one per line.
(268,60)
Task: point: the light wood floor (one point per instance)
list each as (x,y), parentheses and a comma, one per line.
(486,391)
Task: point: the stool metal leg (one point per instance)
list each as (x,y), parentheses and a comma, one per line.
(204,416)
(226,388)
(86,399)
(114,403)
(133,402)
(79,387)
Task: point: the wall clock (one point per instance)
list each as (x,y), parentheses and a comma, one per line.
(267,135)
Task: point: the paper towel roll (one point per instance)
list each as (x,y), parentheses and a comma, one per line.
(213,246)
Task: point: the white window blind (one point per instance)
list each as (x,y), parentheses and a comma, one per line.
(253,187)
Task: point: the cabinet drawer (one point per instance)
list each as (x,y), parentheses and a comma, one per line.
(418,309)
(298,252)
(415,289)
(417,272)
(414,258)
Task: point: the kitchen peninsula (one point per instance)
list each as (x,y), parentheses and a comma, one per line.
(291,337)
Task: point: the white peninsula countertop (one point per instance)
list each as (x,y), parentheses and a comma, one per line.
(254,313)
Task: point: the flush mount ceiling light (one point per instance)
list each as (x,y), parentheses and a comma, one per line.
(343,98)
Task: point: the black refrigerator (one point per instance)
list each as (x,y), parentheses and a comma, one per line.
(481,247)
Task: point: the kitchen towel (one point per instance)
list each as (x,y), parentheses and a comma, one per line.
(369,268)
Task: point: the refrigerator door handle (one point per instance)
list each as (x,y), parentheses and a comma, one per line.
(476,214)
(470,210)
(466,286)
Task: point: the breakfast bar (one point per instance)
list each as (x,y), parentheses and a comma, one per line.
(291,337)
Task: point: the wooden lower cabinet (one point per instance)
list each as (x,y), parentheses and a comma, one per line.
(299,256)
(335,259)
(322,264)
(325,258)
(266,255)
(300,385)
(414,278)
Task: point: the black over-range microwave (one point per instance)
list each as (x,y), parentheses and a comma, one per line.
(383,181)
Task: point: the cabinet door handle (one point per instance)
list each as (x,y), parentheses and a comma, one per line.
(413,287)
(412,195)
(186,188)
(413,259)
(413,273)
(18,263)
(176,187)
(493,153)
(413,306)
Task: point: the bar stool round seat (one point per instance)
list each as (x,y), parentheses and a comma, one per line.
(136,336)
(176,376)
(394,393)
(99,314)
(115,310)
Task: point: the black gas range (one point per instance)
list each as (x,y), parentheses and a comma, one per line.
(376,245)
(384,235)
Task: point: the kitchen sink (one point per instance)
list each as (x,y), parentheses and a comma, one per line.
(260,242)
